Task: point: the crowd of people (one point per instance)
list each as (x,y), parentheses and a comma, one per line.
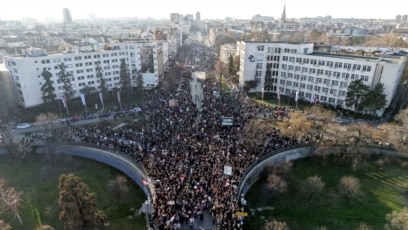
(184,148)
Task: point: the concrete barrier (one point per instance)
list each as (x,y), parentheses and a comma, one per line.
(107,156)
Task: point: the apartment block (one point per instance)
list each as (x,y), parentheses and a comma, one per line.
(294,67)
(145,57)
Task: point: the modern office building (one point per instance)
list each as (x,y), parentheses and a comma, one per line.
(141,56)
(294,67)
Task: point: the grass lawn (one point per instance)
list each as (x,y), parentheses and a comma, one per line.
(382,192)
(39,181)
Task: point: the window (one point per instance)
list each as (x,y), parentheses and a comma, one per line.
(295,84)
(292,59)
(282,82)
(366,68)
(345,75)
(303,78)
(297,68)
(285,58)
(313,61)
(338,65)
(312,71)
(325,90)
(291,67)
(318,80)
(309,87)
(302,85)
(311,79)
(260,48)
(328,73)
(342,93)
(340,102)
(284,66)
(334,83)
(321,62)
(289,83)
(343,84)
(319,72)
(305,60)
(304,69)
(258,73)
(326,81)
(296,77)
(290,75)
(347,66)
(283,74)
(333,92)
(259,65)
(329,64)
(331,100)
(323,98)
(317,88)
(298,60)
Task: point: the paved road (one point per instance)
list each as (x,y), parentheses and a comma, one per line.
(197,93)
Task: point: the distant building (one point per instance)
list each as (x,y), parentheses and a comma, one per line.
(324,77)
(67,17)
(404,18)
(398,18)
(198,18)
(175,18)
(226,51)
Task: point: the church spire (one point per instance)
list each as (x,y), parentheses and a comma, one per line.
(284,13)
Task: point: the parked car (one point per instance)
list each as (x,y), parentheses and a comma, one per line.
(23,126)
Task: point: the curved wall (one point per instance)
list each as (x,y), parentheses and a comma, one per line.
(107,156)
(253,172)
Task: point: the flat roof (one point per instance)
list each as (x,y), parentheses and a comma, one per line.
(360,58)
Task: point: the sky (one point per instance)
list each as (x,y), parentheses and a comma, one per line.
(209,9)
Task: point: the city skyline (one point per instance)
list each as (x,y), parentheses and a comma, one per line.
(210,9)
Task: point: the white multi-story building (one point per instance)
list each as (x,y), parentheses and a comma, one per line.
(226,51)
(293,67)
(145,57)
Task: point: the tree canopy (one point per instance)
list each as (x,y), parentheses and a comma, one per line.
(47,89)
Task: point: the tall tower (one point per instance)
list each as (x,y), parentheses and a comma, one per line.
(198,17)
(66,16)
(283,18)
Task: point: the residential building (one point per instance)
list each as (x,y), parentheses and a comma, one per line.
(325,77)
(226,51)
(141,56)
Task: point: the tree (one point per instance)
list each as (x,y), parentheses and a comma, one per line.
(221,69)
(363,226)
(17,148)
(296,125)
(140,83)
(47,89)
(376,99)
(124,77)
(119,189)
(10,200)
(65,78)
(52,133)
(276,225)
(276,177)
(398,220)
(4,225)
(312,187)
(349,187)
(356,95)
(231,69)
(78,204)
(99,74)
(251,84)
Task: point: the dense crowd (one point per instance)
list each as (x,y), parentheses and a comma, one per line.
(184,148)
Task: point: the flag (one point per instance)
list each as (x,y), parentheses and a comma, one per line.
(119,96)
(278,94)
(145,181)
(64,101)
(315,98)
(297,96)
(101,97)
(83,99)
(262,92)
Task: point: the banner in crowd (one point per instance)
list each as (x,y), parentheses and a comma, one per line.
(227,170)
(173,103)
(83,99)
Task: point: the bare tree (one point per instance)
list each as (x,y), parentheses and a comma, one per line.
(363,226)
(17,148)
(52,132)
(397,220)
(119,189)
(349,187)
(10,200)
(276,225)
(4,225)
(296,126)
(276,183)
(312,187)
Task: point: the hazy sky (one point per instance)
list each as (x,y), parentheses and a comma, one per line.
(209,9)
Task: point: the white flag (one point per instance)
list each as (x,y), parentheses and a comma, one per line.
(64,101)
(83,99)
(297,96)
(101,97)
